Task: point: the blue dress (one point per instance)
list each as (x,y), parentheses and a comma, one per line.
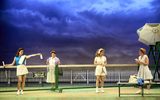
(17,60)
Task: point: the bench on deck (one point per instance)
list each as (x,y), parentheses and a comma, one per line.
(122,84)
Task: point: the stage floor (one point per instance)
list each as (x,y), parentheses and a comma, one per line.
(111,93)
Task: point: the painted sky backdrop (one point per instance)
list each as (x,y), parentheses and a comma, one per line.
(74,28)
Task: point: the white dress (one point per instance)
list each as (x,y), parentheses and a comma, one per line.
(51,69)
(100,70)
(21,68)
(144,71)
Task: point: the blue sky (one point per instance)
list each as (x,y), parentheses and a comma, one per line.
(75,28)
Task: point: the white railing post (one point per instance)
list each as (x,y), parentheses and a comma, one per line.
(9,76)
(119,77)
(71,78)
(87,77)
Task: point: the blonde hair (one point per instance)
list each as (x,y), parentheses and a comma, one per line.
(143,50)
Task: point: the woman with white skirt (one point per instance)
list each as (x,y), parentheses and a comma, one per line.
(22,71)
(100,72)
(144,71)
(52,62)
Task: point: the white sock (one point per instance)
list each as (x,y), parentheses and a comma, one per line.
(17,91)
(97,89)
(102,89)
(21,91)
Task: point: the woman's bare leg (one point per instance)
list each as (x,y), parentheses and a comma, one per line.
(97,83)
(102,83)
(149,85)
(139,91)
(19,82)
(23,81)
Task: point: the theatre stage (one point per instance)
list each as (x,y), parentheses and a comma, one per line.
(111,93)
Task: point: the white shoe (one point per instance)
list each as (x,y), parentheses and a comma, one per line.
(18,92)
(22,92)
(147,92)
(138,92)
(102,90)
(97,91)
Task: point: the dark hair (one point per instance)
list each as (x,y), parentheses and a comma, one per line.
(53,51)
(17,54)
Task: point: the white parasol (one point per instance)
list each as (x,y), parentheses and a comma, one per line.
(149,34)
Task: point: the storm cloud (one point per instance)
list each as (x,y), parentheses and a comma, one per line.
(75,28)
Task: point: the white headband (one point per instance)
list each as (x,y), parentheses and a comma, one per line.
(100,50)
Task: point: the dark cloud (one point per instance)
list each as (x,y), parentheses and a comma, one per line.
(76,29)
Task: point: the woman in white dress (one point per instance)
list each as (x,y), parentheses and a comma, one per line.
(22,71)
(144,71)
(52,62)
(100,72)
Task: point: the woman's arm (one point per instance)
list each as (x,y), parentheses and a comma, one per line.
(47,62)
(58,62)
(33,55)
(13,62)
(96,63)
(137,61)
(105,62)
(146,61)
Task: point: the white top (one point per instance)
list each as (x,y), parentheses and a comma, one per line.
(53,61)
(100,60)
(100,69)
(22,58)
(142,59)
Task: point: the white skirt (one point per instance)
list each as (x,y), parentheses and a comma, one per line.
(101,71)
(144,73)
(51,76)
(22,70)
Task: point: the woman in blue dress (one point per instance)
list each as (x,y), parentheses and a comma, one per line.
(20,62)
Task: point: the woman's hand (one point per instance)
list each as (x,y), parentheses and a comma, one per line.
(3,64)
(137,61)
(39,54)
(103,64)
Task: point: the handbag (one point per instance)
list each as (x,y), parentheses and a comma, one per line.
(140,81)
(60,71)
(132,79)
